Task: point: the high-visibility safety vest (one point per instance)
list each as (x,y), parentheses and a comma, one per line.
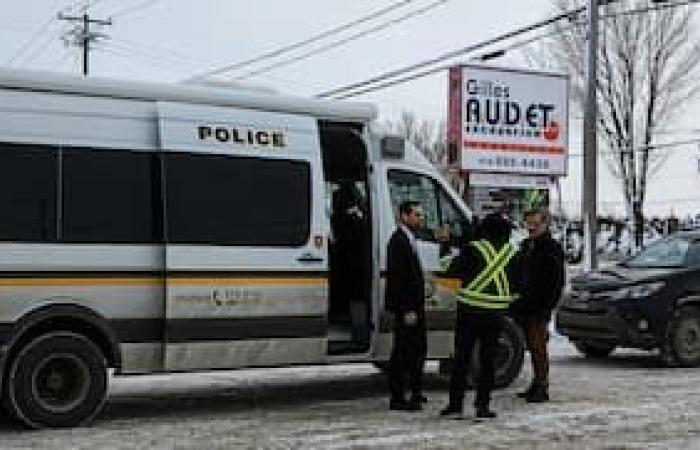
(490,289)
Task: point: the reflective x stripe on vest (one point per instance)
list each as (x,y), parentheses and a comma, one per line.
(475,294)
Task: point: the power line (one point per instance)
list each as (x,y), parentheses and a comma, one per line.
(571,15)
(642,148)
(43,28)
(442,68)
(134,8)
(344,41)
(454,53)
(151,56)
(304,42)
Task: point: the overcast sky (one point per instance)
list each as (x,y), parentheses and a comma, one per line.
(169,40)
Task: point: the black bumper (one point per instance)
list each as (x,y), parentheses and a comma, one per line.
(608,326)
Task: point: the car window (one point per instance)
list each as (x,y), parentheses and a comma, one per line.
(669,252)
(692,259)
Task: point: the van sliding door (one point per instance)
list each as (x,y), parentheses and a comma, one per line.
(246,271)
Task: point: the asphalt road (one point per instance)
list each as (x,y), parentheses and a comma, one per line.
(626,401)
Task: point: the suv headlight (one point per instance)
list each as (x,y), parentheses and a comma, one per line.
(637,291)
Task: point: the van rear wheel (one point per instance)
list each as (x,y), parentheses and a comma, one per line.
(57,380)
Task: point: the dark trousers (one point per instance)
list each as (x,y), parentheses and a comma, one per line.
(407,359)
(535,329)
(472,327)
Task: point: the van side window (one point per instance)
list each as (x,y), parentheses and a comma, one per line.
(405,186)
(110,196)
(237,201)
(28,193)
(453,218)
(438,206)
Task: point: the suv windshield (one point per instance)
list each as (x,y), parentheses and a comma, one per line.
(669,252)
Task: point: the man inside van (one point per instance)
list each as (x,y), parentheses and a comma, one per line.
(405,299)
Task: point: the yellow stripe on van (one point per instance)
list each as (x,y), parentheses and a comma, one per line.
(80,282)
(451,284)
(157,281)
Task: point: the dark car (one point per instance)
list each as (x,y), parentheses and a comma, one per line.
(650,301)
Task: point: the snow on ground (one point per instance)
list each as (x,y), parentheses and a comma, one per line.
(627,401)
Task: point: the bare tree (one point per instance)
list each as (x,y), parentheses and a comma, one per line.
(648,70)
(429,138)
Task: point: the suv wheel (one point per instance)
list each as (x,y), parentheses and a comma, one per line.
(681,346)
(57,380)
(594,350)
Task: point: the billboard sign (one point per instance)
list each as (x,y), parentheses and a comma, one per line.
(508,121)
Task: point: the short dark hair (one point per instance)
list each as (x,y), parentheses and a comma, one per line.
(542,212)
(495,228)
(407,206)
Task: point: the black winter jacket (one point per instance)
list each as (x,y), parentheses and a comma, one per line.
(405,286)
(543,276)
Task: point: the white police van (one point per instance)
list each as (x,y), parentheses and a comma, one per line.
(158,228)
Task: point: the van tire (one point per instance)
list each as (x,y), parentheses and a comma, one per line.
(681,344)
(58,379)
(509,357)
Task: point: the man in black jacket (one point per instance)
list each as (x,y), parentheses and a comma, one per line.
(543,279)
(405,298)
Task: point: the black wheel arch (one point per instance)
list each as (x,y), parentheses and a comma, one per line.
(63,317)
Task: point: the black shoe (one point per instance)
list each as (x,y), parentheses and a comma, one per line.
(526,392)
(398,405)
(451,411)
(418,398)
(414,405)
(485,413)
(538,396)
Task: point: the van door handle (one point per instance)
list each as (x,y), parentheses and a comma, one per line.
(308,258)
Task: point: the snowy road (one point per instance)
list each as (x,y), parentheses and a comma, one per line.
(624,402)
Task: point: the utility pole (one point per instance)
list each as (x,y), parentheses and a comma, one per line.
(590,144)
(82,36)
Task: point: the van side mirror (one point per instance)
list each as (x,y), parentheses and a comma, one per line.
(393,147)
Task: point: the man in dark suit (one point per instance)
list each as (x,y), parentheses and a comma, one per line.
(405,299)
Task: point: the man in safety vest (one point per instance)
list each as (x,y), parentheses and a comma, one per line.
(488,271)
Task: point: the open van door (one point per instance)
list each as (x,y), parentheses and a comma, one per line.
(246,265)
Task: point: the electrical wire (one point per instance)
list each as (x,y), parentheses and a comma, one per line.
(305,42)
(28,44)
(344,41)
(572,14)
(134,8)
(454,53)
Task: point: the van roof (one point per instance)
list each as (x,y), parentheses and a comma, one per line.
(186,93)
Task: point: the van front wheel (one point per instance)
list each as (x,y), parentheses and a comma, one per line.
(508,360)
(57,380)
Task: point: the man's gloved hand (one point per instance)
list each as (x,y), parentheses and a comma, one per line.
(410,318)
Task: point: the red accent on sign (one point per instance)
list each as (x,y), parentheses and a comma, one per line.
(499,146)
(551,132)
